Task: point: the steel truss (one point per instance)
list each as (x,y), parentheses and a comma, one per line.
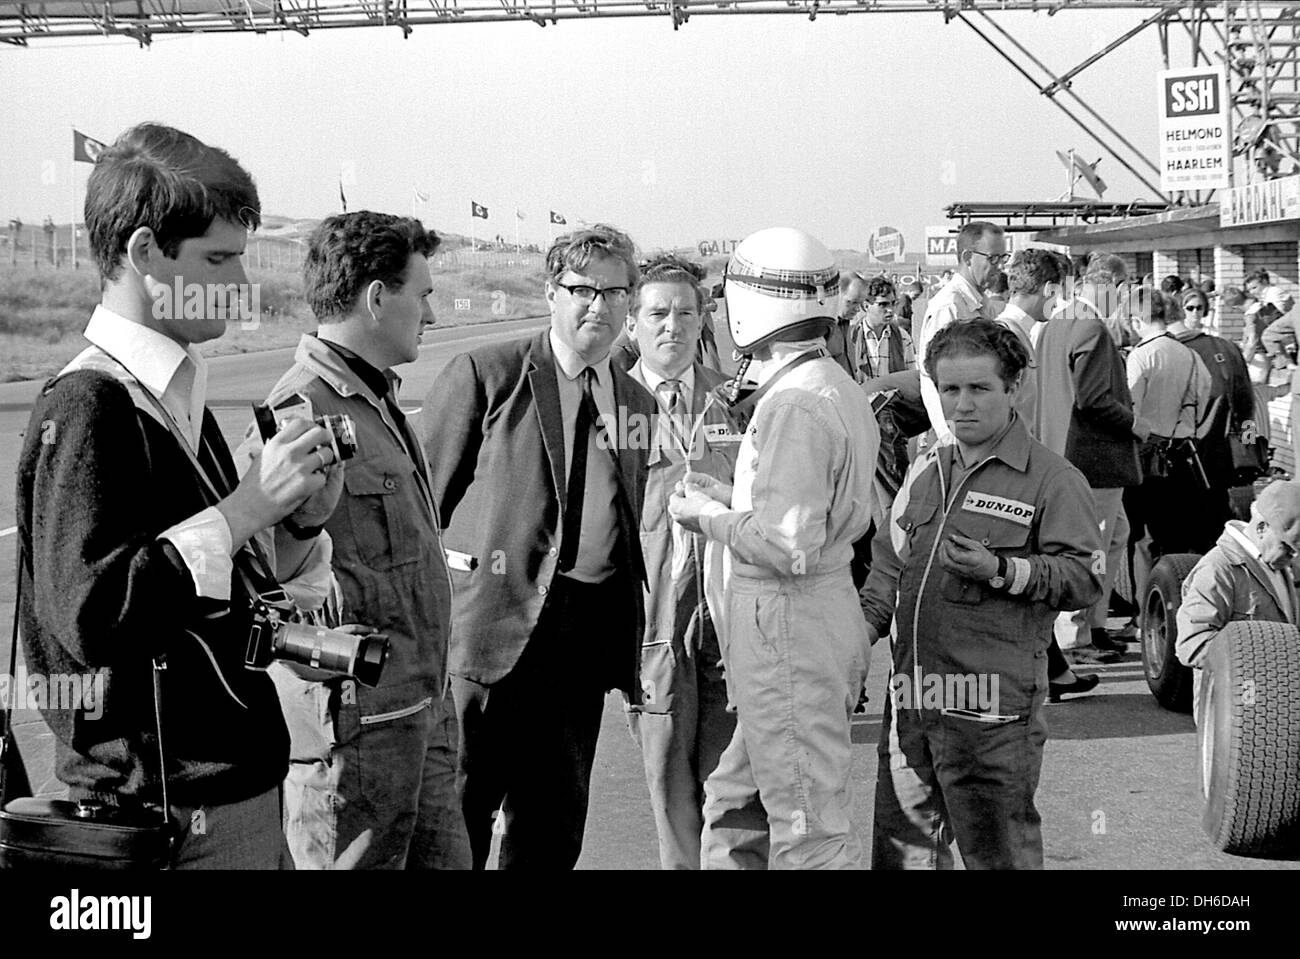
(23,20)
(1258,40)
(1031,217)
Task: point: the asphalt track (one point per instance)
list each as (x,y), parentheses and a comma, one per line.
(1119,784)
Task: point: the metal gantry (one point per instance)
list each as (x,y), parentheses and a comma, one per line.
(1257,40)
(25,20)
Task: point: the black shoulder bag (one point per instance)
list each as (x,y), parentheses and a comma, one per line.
(1189,447)
(37,833)
(40,833)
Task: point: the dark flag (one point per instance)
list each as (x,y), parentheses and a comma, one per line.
(342,197)
(85,149)
(557,218)
(478,210)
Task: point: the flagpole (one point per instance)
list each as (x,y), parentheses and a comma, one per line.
(516,232)
(72,169)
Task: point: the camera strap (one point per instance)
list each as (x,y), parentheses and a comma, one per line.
(7,707)
(749,403)
(252,552)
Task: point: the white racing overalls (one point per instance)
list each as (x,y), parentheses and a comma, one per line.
(793,637)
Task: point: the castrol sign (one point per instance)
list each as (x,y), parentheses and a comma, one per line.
(886,245)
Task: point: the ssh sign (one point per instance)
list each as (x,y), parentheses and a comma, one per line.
(1196,96)
(1195,130)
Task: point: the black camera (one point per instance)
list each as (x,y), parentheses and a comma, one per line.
(343,431)
(273,637)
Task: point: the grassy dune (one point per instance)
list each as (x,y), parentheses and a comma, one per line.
(43,311)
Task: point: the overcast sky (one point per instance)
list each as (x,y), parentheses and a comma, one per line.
(730,124)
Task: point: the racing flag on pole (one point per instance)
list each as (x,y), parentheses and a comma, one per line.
(478,210)
(557,218)
(85,149)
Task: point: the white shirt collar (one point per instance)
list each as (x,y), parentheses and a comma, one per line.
(152,358)
(966,288)
(1236,529)
(1014,313)
(571,364)
(155,360)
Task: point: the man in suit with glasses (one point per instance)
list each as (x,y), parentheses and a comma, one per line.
(537,451)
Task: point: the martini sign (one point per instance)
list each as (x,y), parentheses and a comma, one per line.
(886,245)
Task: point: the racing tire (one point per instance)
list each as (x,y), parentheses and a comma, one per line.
(1168,679)
(1248,733)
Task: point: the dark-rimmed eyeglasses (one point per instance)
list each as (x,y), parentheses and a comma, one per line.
(996,260)
(1193,308)
(614,295)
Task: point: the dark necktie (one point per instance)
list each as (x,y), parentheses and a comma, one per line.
(577,485)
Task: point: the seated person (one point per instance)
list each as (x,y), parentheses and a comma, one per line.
(1247,575)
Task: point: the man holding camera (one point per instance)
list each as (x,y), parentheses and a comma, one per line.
(372,774)
(131,520)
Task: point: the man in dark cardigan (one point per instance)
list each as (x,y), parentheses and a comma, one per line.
(127,557)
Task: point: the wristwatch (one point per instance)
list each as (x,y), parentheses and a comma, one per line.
(999,579)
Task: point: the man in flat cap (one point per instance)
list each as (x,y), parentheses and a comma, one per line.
(1247,575)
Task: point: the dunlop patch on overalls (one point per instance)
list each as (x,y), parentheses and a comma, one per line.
(989,505)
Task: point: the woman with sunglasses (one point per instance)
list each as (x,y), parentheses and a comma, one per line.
(1196,309)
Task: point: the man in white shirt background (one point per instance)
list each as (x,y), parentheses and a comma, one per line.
(981,253)
(1263,290)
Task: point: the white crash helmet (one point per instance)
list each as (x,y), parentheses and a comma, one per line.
(781,284)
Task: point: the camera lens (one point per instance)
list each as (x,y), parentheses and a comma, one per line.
(372,653)
(362,657)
